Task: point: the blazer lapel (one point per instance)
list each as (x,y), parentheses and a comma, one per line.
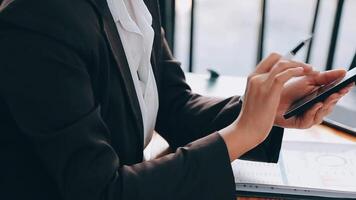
(156,25)
(117,50)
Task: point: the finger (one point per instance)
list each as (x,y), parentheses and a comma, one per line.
(331,98)
(328,76)
(280,79)
(285,65)
(327,107)
(347,89)
(267,63)
(344,91)
(324,111)
(307,120)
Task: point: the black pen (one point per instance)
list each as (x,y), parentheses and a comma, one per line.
(290,55)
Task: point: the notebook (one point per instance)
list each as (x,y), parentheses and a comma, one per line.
(305,169)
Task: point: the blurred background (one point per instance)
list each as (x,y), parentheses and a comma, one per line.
(231,36)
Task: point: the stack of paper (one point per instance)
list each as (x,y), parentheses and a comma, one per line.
(304,168)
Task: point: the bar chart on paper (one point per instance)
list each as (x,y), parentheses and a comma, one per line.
(305,168)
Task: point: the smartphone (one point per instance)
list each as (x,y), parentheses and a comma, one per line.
(320,94)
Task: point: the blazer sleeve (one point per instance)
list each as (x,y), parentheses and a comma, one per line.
(185,116)
(48,92)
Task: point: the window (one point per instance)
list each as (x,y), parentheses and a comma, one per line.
(226,32)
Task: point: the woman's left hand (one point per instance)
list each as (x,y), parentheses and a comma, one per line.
(302,86)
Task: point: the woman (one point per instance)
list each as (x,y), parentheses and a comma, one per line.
(84,83)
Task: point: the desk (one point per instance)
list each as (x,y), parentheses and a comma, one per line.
(229,86)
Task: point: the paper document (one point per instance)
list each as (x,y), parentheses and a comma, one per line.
(304,168)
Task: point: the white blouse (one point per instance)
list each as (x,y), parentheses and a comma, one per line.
(133,21)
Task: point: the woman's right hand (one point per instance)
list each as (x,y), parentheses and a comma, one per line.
(261,100)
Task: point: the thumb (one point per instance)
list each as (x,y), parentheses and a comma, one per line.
(328,76)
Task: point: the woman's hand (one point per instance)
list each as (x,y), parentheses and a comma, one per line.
(302,86)
(262,99)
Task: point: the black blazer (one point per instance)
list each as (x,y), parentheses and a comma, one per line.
(70,123)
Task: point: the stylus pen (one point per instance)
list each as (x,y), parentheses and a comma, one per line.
(290,55)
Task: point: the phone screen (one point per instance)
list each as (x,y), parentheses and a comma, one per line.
(321,93)
(315,93)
